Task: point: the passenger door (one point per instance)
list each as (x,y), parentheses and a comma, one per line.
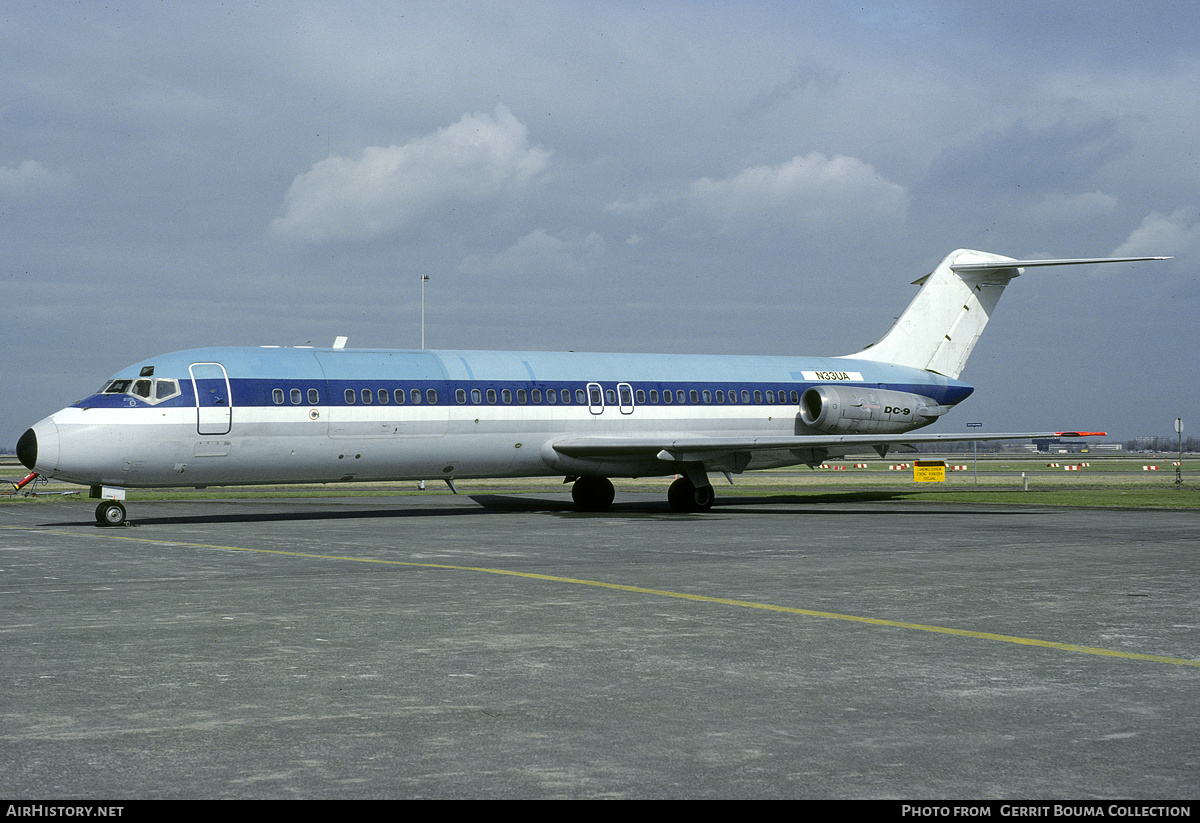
(214,400)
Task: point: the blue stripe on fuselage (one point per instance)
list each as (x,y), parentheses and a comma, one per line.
(256,372)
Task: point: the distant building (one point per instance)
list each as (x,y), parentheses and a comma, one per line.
(1071,445)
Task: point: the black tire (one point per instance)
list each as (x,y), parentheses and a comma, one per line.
(683,496)
(110,513)
(593,494)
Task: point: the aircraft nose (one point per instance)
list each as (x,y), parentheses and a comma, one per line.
(38,446)
(27,448)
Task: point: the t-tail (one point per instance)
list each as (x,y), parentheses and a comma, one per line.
(941,326)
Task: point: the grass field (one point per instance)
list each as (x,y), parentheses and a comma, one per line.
(1004,479)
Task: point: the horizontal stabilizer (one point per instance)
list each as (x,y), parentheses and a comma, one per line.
(999,265)
(941,326)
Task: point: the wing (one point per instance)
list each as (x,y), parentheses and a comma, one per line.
(734,454)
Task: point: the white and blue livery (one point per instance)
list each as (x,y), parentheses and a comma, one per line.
(228,416)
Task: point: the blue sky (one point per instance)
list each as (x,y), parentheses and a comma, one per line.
(757,178)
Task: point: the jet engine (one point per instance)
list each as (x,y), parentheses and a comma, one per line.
(854,410)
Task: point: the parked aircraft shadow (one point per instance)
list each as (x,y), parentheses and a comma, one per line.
(278,516)
(787,504)
(776,504)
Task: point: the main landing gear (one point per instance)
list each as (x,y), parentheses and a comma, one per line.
(595,494)
(686,496)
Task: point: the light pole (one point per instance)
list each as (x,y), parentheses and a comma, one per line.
(975,445)
(1179,465)
(424,280)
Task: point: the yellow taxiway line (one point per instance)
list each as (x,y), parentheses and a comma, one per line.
(699,598)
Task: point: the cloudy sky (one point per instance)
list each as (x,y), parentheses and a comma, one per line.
(734,177)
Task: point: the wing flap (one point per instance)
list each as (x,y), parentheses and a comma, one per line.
(735,453)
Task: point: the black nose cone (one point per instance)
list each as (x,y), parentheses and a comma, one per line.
(27,449)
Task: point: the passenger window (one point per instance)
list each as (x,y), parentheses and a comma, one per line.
(350,397)
(277,396)
(654,395)
(566,395)
(745,396)
(295,397)
(707,397)
(314,396)
(641,396)
(770,396)
(415,394)
(720,396)
(399,395)
(383,396)
(536,395)
(506,396)
(521,397)
(460,395)
(476,396)
(580,397)
(668,398)
(757,396)
(732,396)
(795,398)
(679,395)
(610,397)
(491,395)
(551,396)
(367,396)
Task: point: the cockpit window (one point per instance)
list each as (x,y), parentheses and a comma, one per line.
(151,391)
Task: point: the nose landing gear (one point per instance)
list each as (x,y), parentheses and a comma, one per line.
(110,513)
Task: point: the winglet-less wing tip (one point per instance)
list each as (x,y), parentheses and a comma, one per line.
(1082,434)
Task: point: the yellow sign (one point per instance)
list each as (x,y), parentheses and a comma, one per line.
(929,471)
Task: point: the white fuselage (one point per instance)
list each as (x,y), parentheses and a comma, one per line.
(274,415)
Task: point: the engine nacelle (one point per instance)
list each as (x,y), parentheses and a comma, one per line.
(852,410)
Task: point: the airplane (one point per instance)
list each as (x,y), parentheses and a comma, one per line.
(278,415)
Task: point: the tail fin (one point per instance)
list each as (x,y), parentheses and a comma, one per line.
(940,327)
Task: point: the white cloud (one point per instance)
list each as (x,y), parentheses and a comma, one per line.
(1160,234)
(641,206)
(812,191)
(540,252)
(1064,209)
(29,177)
(471,161)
